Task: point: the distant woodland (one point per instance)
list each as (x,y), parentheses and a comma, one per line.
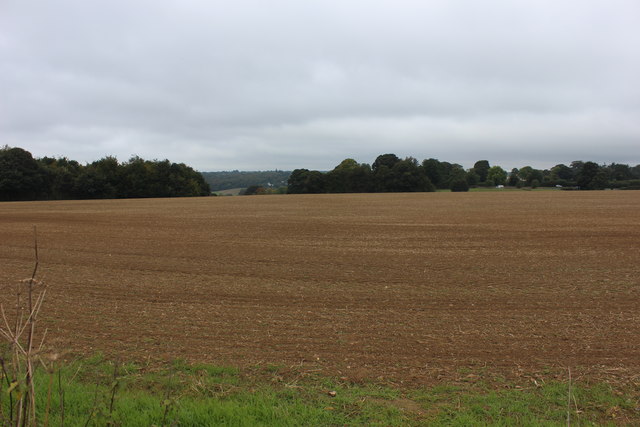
(389,173)
(242,179)
(24,178)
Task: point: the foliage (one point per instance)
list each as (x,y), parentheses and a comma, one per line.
(349,177)
(21,177)
(253,190)
(459,185)
(481,167)
(305,181)
(389,173)
(497,175)
(243,179)
(24,178)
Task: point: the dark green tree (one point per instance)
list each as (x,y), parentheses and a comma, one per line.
(497,175)
(459,185)
(513,180)
(481,167)
(407,176)
(586,175)
(435,172)
(472,178)
(349,177)
(388,160)
(21,177)
(302,181)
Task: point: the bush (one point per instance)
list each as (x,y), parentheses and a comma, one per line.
(459,185)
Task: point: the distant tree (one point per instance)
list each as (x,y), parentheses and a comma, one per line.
(459,185)
(435,171)
(529,174)
(586,175)
(408,176)
(455,172)
(481,167)
(303,181)
(297,181)
(576,167)
(60,177)
(349,177)
(383,177)
(243,179)
(619,172)
(21,177)
(561,172)
(388,160)
(600,181)
(513,180)
(497,175)
(472,177)
(92,184)
(253,190)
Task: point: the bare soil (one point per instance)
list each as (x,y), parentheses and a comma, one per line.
(410,288)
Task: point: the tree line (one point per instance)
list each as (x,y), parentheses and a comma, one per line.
(389,173)
(24,178)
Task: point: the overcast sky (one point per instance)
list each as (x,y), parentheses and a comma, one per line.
(257,85)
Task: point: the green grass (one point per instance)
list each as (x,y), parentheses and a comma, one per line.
(206,395)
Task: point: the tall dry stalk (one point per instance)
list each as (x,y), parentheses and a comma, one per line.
(19,335)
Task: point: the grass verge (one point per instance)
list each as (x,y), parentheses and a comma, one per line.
(95,391)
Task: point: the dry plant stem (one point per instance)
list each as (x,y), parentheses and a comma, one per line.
(21,372)
(31,321)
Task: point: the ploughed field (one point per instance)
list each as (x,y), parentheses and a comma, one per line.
(407,287)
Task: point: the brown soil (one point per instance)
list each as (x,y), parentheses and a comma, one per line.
(401,287)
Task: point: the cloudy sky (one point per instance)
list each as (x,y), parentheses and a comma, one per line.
(256,85)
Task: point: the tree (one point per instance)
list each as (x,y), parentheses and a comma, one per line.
(388,160)
(600,181)
(253,190)
(459,185)
(497,175)
(21,177)
(434,171)
(529,174)
(561,172)
(303,181)
(513,179)
(408,176)
(587,173)
(481,167)
(60,176)
(349,177)
(618,172)
(472,178)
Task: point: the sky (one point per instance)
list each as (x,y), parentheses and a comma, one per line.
(285,84)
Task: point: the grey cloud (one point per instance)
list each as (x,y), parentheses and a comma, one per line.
(283,84)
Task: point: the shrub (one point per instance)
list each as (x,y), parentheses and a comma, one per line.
(459,185)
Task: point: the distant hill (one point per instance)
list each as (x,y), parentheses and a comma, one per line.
(242,179)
